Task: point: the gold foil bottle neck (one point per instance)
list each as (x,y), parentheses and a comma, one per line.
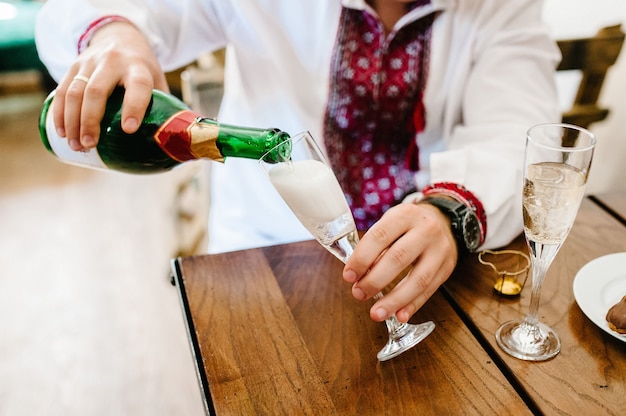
(204,141)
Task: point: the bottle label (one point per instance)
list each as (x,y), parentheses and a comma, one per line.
(204,140)
(61,148)
(179,137)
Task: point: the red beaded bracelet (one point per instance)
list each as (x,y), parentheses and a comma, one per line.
(84,39)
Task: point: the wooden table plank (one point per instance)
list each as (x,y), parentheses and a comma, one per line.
(614,203)
(588,377)
(253,356)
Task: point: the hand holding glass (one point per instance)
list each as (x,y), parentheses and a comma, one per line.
(308,185)
(556,166)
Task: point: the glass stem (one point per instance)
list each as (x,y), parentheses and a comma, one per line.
(541,258)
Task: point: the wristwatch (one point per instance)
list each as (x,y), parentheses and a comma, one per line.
(463,219)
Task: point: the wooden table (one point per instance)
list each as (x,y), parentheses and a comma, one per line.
(275,331)
(588,377)
(614,203)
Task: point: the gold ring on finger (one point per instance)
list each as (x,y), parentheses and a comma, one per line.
(80,77)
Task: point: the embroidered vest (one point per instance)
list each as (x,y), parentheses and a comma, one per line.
(375,110)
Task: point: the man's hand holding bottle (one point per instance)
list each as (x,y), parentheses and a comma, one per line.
(117,55)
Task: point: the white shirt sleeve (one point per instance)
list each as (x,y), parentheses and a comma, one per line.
(61,23)
(502,84)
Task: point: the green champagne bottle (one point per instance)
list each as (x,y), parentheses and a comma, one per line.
(169,135)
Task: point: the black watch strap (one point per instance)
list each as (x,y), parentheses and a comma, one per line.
(463,220)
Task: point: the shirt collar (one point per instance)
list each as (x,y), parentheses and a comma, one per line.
(419,12)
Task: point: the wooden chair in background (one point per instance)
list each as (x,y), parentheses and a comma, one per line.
(592,57)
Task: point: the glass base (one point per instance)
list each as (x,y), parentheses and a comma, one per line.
(406,337)
(527,341)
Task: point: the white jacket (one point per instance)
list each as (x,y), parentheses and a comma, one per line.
(491,77)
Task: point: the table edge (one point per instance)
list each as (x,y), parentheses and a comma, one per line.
(606,207)
(191,335)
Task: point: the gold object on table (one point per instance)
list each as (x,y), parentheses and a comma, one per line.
(508,282)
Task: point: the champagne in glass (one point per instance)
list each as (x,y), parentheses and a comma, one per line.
(309,187)
(311,191)
(556,166)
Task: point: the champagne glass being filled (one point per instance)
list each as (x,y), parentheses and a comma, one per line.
(556,166)
(309,187)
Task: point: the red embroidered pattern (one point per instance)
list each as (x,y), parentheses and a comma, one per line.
(84,39)
(375,110)
(463,195)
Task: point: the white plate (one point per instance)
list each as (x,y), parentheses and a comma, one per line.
(600,284)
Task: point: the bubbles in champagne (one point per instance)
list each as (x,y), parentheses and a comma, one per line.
(311,190)
(329,232)
(552,195)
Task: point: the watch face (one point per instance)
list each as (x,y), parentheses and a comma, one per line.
(464,222)
(471,231)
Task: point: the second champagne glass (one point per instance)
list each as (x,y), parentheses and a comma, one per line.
(556,166)
(309,187)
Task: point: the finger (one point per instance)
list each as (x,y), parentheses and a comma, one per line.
(412,292)
(370,247)
(58,110)
(392,264)
(72,110)
(139,85)
(95,96)
(59,104)
(385,249)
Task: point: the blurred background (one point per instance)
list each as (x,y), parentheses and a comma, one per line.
(580,18)
(89,322)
